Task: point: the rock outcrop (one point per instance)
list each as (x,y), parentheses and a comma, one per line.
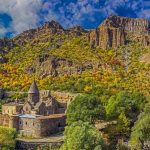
(116,31)
(5,45)
(46,32)
(46,65)
(5,42)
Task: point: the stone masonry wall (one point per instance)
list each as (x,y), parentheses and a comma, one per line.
(52,125)
(63,97)
(35,127)
(23,145)
(29,127)
(4,120)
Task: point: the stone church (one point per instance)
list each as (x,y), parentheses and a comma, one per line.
(42,114)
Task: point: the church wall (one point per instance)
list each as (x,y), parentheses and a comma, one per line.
(33,97)
(11,110)
(29,127)
(27,145)
(14,122)
(62,97)
(52,125)
(4,120)
(19,109)
(32,127)
(9,121)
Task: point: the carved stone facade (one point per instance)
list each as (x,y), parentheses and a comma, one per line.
(12,109)
(41,115)
(41,126)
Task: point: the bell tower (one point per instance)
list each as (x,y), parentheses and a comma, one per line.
(33,93)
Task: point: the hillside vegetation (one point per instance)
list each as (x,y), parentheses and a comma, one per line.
(113,82)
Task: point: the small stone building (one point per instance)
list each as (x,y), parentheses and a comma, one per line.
(12,108)
(41,115)
(41,126)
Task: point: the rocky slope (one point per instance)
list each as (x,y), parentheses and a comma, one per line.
(51,50)
(56,66)
(46,32)
(5,46)
(116,31)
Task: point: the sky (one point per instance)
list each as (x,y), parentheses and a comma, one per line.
(17,16)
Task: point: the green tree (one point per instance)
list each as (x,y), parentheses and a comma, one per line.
(127,103)
(123,123)
(7,136)
(141,130)
(82,136)
(124,107)
(85,107)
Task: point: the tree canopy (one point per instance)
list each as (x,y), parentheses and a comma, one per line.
(82,136)
(7,136)
(141,130)
(85,107)
(128,103)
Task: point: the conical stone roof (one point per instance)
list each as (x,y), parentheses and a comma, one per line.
(33,88)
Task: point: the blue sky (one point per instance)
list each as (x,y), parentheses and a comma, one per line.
(17,16)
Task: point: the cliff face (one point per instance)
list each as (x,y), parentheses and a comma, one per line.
(5,46)
(53,34)
(55,66)
(116,31)
(46,49)
(47,32)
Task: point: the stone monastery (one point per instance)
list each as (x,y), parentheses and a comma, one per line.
(41,115)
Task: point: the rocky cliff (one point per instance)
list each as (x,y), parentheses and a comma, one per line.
(47,32)
(5,46)
(56,66)
(51,50)
(116,31)
(50,36)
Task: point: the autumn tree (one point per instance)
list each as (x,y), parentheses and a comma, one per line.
(7,137)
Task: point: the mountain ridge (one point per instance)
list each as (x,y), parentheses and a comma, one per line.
(50,46)
(121,24)
(116,31)
(61,58)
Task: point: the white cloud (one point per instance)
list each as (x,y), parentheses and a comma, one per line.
(136,6)
(74,13)
(145,13)
(24,13)
(3,30)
